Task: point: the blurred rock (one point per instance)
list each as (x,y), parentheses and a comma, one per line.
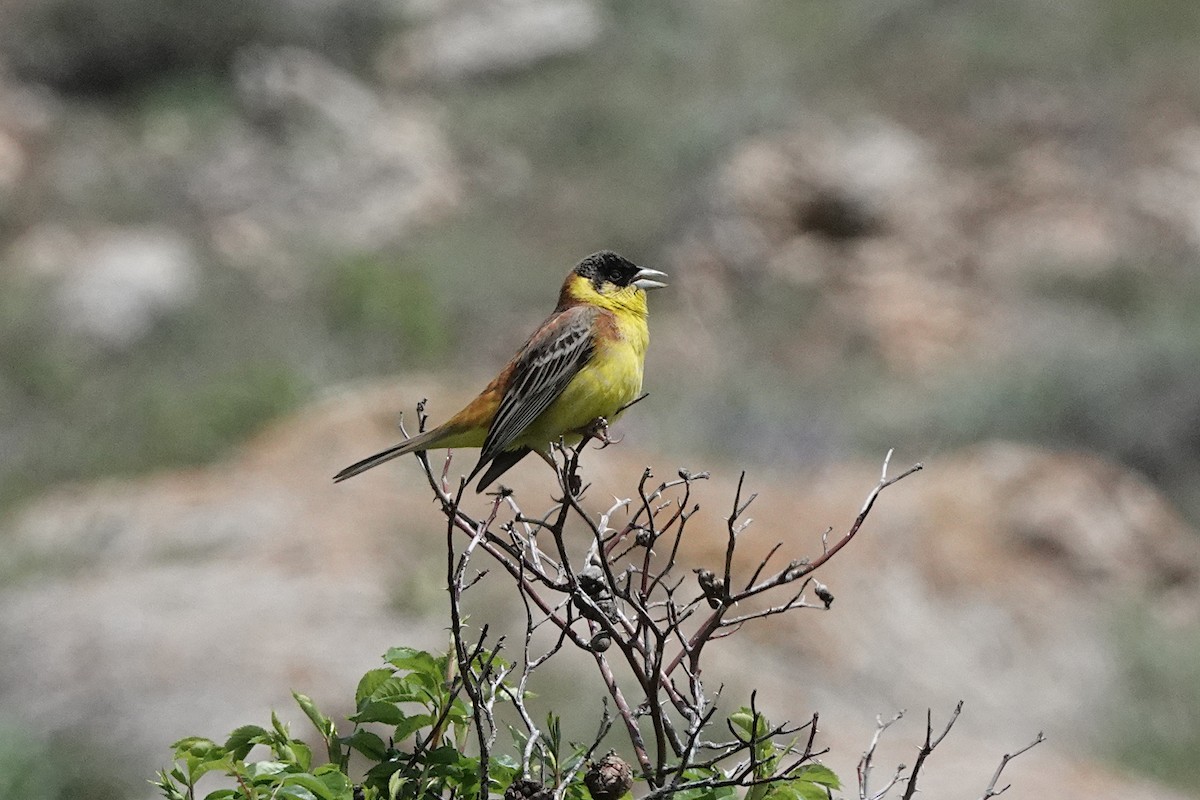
(309,164)
(26,114)
(92,47)
(924,258)
(12,166)
(26,109)
(454,39)
(111,285)
(325,164)
(843,210)
(1170,191)
(190,602)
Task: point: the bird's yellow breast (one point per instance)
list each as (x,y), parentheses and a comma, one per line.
(611,379)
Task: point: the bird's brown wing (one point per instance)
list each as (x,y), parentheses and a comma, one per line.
(546,364)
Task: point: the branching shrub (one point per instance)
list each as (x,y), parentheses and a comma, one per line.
(427,726)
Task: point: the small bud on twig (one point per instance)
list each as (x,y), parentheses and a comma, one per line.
(600,642)
(712,587)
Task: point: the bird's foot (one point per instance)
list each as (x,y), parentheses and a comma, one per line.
(598,430)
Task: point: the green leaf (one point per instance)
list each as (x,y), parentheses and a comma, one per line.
(322,723)
(444,755)
(301,754)
(167,783)
(807,790)
(221,794)
(223,765)
(503,770)
(762,791)
(333,777)
(266,769)
(707,793)
(396,689)
(415,660)
(187,742)
(369,683)
(410,725)
(396,784)
(745,721)
(404,689)
(197,747)
(280,729)
(312,784)
(460,711)
(367,743)
(430,684)
(489,657)
(385,769)
(754,727)
(374,711)
(242,739)
(813,782)
(819,773)
(724,793)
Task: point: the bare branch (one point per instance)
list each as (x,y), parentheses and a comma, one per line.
(628,596)
(991,790)
(929,746)
(865,764)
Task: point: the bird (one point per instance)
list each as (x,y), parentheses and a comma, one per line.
(584,364)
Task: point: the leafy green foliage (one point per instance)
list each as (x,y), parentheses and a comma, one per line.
(415,700)
(25,769)
(408,740)
(1134,398)
(381,301)
(808,782)
(1150,730)
(198,385)
(62,767)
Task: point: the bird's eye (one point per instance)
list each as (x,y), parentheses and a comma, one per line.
(614,275)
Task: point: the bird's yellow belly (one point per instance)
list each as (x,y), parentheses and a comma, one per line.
(610,381)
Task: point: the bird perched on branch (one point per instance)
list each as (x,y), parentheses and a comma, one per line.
(582,365)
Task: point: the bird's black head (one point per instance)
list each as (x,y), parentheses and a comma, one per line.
(607,267)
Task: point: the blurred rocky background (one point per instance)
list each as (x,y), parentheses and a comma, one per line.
(964,229)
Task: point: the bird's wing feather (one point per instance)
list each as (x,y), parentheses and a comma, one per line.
(546,364)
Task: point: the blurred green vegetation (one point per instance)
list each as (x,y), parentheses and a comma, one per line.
(194,386)
(35,770)
(1156,728)
(387,308)
(1133,393)
(26,771)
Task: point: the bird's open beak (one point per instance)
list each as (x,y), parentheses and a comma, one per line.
(644,279)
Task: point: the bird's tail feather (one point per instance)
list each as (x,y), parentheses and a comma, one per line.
(412,445)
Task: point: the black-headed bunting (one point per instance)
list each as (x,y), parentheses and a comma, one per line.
(582,364)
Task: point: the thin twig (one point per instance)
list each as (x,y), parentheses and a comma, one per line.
(991,790)
(865,763)
(928,747)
